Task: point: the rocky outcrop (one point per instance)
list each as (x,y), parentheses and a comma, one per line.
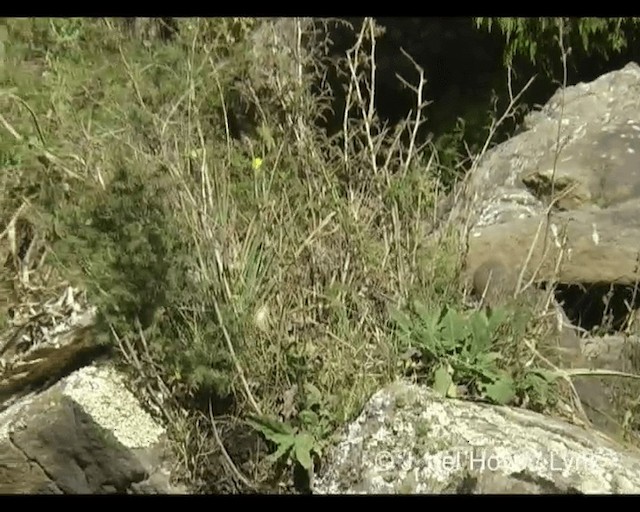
(408,440)
(582,147)
(68,424)
(559,205)
(86,434)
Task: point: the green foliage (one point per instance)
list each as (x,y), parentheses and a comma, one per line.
(461,351)
(450,148)
(537,385)
(290,442)
(120,232)
(135,261)
(122,238)
(537,39)
(302,440)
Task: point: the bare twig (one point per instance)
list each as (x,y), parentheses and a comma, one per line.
(234,469)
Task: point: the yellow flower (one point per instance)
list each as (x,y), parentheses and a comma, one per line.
(256,163)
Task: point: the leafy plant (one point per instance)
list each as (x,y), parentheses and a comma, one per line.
(536,385)
(174,222)
(122,239)
(300,440)
(461,352)
(291,442)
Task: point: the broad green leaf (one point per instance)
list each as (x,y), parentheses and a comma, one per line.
(479,326)
(454,329)
(402,320)
(309,418)
(497,318)
(488,359)
(270,427)
(428,318)
(539,384)
(542,374)
(442,381)
(485,366)
(422,311)
(313,395)
(284,447)
(304,446)
(502,391)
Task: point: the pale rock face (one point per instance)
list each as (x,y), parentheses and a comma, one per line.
(86,434)
(409,440)
(593,176)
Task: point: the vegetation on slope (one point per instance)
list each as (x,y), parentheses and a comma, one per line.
(256,278)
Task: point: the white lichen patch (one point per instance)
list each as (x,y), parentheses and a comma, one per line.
(425,445)
(507,204)
(101,392)
(11,412)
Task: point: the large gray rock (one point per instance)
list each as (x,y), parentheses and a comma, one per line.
(68,423)
(596,187)
(559,204)
(410,440)
(87,434)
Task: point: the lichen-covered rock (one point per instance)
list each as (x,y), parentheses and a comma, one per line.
(87,434)
(410,440)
